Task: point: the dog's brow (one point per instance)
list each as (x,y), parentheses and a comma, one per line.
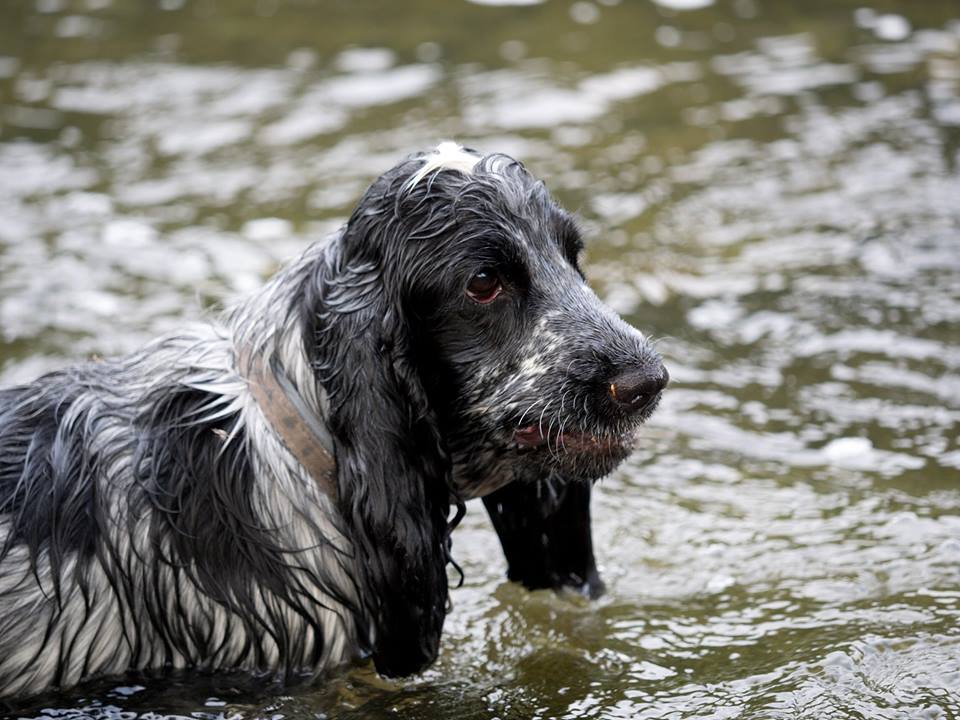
(448,156)
(501,250)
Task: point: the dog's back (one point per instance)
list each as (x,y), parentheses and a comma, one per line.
(116,482)
(42,505)
(53,598)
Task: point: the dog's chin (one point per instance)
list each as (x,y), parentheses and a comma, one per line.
(530,454)
(573,455)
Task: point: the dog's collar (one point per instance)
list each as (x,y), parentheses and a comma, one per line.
(299,428)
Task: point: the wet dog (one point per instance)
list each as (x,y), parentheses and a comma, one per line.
(274,493)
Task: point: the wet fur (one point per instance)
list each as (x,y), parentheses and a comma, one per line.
(150,517)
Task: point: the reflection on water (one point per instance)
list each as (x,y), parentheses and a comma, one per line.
(772,189)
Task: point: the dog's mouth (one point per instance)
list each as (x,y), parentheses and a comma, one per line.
(533,437)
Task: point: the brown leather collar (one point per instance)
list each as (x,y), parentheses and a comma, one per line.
(299,428)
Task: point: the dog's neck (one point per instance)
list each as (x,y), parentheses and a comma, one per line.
(270,347)
(303,433)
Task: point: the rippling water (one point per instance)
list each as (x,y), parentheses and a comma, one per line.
(772,189)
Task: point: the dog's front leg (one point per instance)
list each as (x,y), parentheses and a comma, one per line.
(545,532)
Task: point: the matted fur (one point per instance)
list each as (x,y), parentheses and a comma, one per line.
(151,518)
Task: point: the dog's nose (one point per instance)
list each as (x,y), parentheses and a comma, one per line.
(634,389)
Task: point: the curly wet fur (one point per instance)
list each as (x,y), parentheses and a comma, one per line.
(151,518)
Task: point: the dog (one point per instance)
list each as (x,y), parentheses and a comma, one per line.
(273,493)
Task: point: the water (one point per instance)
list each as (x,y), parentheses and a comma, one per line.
(771,188)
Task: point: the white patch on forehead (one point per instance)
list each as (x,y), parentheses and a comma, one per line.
(448,156)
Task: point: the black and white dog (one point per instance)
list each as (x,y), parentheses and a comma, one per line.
(274,494)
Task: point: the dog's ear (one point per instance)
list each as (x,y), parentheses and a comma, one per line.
(393,469)
(545,532)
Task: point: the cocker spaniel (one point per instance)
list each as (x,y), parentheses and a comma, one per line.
(274,493)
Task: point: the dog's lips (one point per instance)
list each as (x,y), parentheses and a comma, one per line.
(534,436)
(529,436)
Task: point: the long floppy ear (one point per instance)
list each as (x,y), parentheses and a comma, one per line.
(393,468)
(545,532)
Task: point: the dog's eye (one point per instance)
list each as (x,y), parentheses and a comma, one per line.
(484,286)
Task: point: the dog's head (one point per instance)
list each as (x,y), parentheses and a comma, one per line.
(460,349)
(530,374)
